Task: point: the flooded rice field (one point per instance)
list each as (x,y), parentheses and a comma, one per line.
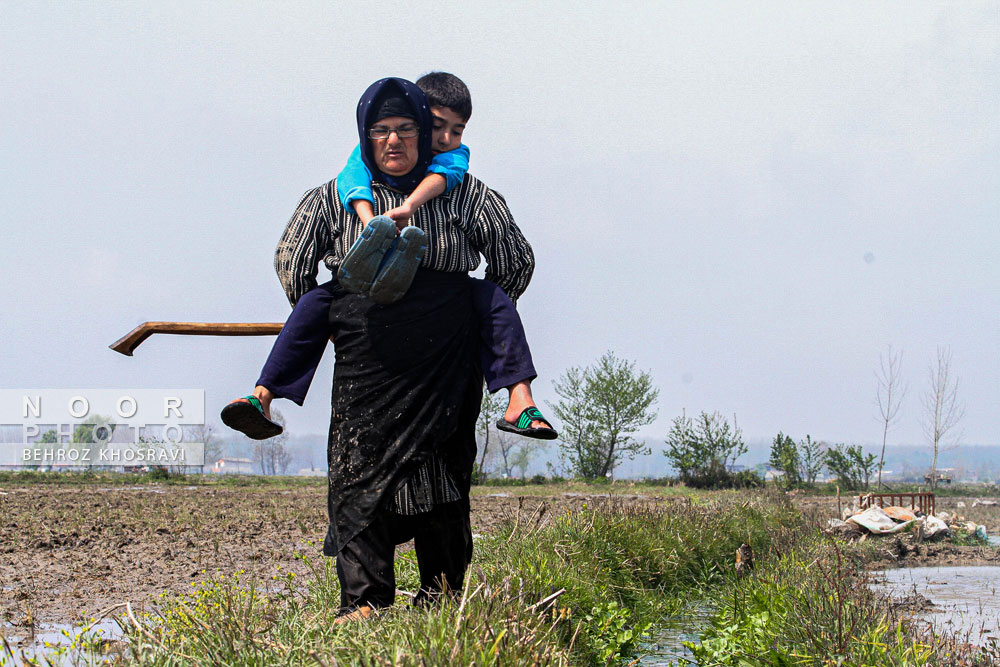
(69,552)
(964,600)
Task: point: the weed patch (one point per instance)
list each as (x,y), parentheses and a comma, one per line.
(578,588)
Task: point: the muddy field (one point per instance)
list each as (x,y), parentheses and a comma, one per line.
(68,552)
(72,551)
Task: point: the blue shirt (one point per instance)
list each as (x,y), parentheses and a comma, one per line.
(354,182)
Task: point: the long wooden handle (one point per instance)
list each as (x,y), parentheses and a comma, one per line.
(126,344)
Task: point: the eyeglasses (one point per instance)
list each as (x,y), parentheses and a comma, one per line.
(405,132)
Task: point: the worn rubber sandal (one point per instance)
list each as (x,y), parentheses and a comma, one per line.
(360,265)
(401,264)
(523,425)
(247,416)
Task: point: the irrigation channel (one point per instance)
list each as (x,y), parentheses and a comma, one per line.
(666,645)
(966,599)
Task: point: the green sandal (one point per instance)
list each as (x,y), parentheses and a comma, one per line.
(523,425)
(246,415)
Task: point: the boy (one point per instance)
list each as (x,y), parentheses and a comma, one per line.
(382,265)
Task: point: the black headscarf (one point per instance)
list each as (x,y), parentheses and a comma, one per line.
(415,99)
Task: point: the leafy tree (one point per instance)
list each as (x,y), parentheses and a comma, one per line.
(84,432)
(520,459)
(601,407)
(810,460)
(785,458)
(864,464)
(852,467)
(87,433)
(702,450)
(575,439)
(839,464)
(505,447)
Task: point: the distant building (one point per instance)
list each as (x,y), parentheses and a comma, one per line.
(230,466)
(772,475)
(311,472)
(944,476)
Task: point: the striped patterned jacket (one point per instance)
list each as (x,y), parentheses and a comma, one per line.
(470,221)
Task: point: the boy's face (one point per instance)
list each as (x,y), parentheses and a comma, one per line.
(448,129)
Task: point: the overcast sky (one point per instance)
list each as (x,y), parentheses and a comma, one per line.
(749,200)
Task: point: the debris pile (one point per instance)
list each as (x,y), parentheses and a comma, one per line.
(859,523)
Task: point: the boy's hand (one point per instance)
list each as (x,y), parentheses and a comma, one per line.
(400,215)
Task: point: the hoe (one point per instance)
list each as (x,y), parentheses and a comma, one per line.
(133,339)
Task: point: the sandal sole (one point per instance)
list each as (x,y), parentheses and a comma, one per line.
(361,263)
(249,421)
(400,267)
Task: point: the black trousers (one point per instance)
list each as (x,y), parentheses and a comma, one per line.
(442,539)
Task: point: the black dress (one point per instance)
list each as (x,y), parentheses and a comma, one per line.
(407,383)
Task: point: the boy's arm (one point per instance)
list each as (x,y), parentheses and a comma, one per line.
(452,165)
(354,186)
(445,172)
(429,188)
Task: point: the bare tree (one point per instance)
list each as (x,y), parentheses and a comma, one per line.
(889,393)
(205,433)
(491,409)
(943,411)
(521,460)
(272,455)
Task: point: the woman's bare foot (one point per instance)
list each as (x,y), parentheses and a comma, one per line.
(361,613)
(520,399)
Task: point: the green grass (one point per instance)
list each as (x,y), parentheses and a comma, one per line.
(812,606)
(579,588)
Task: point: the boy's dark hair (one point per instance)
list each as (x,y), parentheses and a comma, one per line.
(447,90)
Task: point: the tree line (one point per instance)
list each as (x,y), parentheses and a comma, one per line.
(601,408)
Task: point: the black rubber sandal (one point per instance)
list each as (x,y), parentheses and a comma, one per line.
(362,262)
(247,416)
(523,425)
(400,266)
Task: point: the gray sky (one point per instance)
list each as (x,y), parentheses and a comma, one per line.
(749,200)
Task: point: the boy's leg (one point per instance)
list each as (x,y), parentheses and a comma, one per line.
(504,353)
(289,368)
(505,356)
(297,351)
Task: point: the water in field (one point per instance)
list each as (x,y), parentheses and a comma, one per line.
(667,647)
(50,638)
(666,644)
(966,599)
